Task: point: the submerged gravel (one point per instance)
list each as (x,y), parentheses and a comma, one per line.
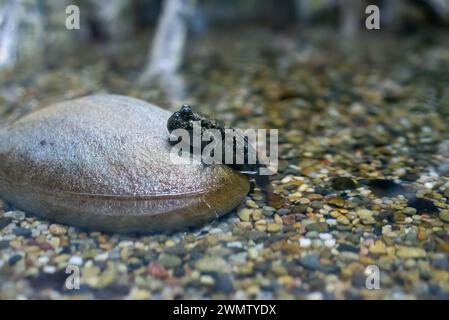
(363,177)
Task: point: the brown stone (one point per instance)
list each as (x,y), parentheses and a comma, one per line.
(275,200)
(103,162)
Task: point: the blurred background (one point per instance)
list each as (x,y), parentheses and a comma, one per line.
(149,41)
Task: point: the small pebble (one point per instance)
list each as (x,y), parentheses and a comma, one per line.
(210,264)
(444,215)
(170,261)
(409,211)
(305,242)
(273,227)
(343,220)
(325,236)
(76,260)
(318,226)
(4,222)
(207,280)
(24,232)
(57,229)
(244,214)
(49,269)
(330,243)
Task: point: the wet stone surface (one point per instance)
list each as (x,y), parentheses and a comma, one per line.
(103,163)
(373,115)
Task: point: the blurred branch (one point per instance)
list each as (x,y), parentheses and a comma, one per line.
(167,49)
(8,33)
(351,17)
(440,8)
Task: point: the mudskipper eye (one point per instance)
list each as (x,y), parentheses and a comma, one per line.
(186,110)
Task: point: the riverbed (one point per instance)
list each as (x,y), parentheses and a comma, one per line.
(358,210)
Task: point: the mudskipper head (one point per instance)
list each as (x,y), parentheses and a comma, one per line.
(181,119)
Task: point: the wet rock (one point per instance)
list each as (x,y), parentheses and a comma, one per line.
(210,264)
(398,217)
(157,270)
(378,248)
(14,259)
(343,220)
(244,214)
(318,227)
(299,208)
(410,252)
(57,229)
(24,232)
(275,200)
(4,222)
(358,280)
(336,201)
(170,261)
(409,211)
(273,227)
(223,283)
(311,261)
(103,162)
(366,216)
(444,215)
(441,263)
(283,211)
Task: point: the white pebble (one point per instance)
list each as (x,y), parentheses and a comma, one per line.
(365,192)
(101,257)
(408,220)
(325,236)
(49,269)
(42,227)
(330,243)
(76,260)
(305,242)
(207,280)
(123,244)
(35,233)
(234,244)
(315,296)
(43,260)
(253,253)
(331,222)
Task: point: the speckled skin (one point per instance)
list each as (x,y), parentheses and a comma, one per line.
(103,162)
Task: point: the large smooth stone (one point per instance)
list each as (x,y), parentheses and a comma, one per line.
(103,162)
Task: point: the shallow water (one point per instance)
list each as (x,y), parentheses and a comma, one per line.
(369,110)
